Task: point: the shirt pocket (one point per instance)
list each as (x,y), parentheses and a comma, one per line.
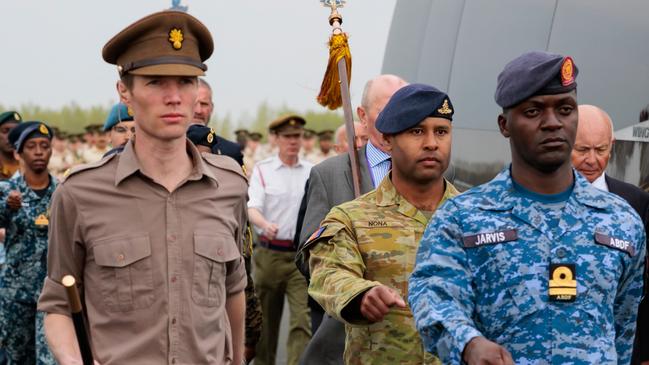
(211,255)
(125,271)
(510,279)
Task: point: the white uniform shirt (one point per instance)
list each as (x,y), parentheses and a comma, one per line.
(276,190)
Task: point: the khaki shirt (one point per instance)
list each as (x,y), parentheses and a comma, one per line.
(155,267)
(361,244)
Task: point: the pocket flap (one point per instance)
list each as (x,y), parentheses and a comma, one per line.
(122,251)
(219,248)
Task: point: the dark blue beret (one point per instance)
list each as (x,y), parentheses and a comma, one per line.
(535,73)
(27,130)
(10,116)
(118,113)
(410,105)
(201,135)
(205,136)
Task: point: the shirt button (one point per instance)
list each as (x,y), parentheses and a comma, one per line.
(120,257)
(173,279)
(561,253)
(173,321)
(172,237)
(173,361)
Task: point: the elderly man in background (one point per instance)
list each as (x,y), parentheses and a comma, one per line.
(590,157)
(204,104)
(360,138)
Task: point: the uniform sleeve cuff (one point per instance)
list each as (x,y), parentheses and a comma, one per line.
(462,335)
(53,298)
(348,299)
(237,280)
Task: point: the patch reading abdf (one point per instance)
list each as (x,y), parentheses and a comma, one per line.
(563,283)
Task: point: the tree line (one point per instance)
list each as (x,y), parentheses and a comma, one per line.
(72,118)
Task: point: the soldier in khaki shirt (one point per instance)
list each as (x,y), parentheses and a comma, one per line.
(364,250)
(153,235)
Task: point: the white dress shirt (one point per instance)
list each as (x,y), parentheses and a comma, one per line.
(276,190)
(600,182)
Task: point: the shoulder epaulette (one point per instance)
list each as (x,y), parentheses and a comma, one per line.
(224,162)
(85,167)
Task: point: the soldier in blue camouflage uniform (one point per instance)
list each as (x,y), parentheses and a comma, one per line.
(25,215)
(536,266)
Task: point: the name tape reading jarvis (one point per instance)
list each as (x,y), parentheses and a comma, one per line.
(489,238)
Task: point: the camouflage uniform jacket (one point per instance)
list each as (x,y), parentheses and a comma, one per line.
(26,240)
(483,269)
(361,244)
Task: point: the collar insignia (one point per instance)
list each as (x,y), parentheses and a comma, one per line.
(176,38)
(42,220)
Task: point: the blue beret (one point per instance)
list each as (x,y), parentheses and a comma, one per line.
(10,116)
(410,105)
(118,113)
(201,135)
(27,130)
(535,73)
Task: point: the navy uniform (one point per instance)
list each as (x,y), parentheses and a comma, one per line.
(21,329)
(555,279)
(199,133)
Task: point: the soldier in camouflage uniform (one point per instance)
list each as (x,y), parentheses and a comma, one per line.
(25,215)
(536,266)
(364,250)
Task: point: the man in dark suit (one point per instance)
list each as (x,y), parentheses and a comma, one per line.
(330,184)
(590,156)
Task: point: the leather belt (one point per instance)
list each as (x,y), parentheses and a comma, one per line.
(277,245)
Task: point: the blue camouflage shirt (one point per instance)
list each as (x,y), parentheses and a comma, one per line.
(24,270)
(483,269)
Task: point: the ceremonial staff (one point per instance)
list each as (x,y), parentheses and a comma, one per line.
(334,90)
(76,310)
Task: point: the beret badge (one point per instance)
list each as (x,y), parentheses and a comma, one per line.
(176,38)
(567,72)
(445,109)
(16,116)
(43,129)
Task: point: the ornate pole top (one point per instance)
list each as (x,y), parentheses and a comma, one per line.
(175,5)
(335,16)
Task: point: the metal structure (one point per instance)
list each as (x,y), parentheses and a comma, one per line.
(460,46)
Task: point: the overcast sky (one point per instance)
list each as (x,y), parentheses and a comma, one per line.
(264,50)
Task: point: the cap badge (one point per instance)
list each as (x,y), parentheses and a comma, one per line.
(567,72)
(445,109)
(43,129)
(291,122)
(129,111)
(16,116)
(176,38)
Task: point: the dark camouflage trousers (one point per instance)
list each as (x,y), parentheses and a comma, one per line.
(22,336)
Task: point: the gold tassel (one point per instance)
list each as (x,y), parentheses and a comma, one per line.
(330,89)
